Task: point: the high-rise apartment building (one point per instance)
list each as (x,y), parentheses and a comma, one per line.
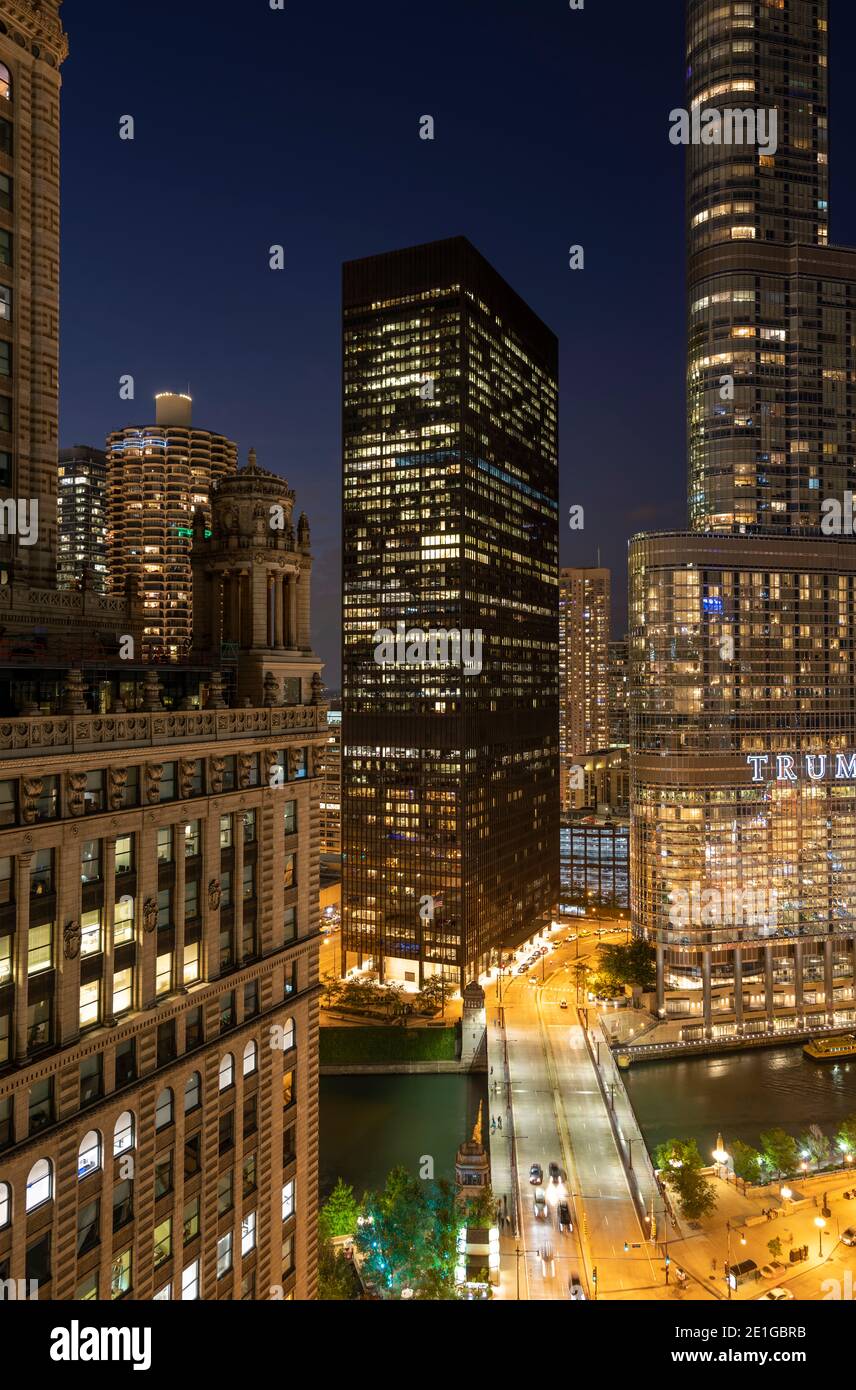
(743,644)
(331,785)
(449,742)
(158,866)
(159,477)
(584,618)
(618,694)
(82,518)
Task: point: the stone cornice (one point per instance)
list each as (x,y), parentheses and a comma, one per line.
(36,22)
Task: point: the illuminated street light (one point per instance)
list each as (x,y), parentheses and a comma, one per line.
(820,1223)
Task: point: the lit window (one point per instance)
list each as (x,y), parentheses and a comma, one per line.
(164,1109)
(89,1154)
(251,1058)
(190,1282)
(40,1184)
(227,1071)
(248,1233)
(288,1200)
(123,1133)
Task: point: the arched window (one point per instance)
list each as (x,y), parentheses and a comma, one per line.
(288,1034)
(40,1184)
(251,1058)
(193,1092)
(5,1204)
(164,1109)
(5,83)
(227,1071)
(123,1134)
(89,1154)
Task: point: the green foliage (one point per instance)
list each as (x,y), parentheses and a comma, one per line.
(816,1145)
(337,1279)
(846,1136)
(747,1161)
(631,963)
(352,1046)
(780,1152)
(775,1247)
(338,1215)
(678,1153)
(695,1194)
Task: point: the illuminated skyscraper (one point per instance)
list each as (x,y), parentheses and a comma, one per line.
(449,753)
(743,630)
(81,518)
(584,616)
(158,477)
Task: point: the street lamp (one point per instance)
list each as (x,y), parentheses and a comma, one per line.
(820,1223)
(721,1155)
(786,1194)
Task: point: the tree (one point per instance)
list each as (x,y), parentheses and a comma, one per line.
(338,1215)
(846,1136)
(775,1247)
(337,1279)
(433,993)
(631,963)
(695,1194)
(747,1161)
(816,1146)
(779,1151)
(392,1238)
(331,987)
(678,1153)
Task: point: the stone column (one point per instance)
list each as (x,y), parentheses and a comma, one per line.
(178,902)
(271,613)
(303,592)
(705,992)
(23,866)
(107,927)
(279,625)
(292,611)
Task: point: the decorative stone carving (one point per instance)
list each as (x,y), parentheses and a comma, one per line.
(294,761)
(269,758)
(317,689)
(117,780)
(150,915)
(75,783)
(31,790)
(154,772)
(186,770)
(71,940)
(74,698)
(215,692)
(244,764)
(214,894)
(271,690)
(216,766)
(152,691)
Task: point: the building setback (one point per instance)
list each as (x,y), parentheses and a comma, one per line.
(743,645)
(449,757)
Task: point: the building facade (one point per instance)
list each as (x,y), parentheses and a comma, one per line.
(449,744)
(159,477)
(82,519)
(618,694)
(584,618)
(743,723)
(331,786)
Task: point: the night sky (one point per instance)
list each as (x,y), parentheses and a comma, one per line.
(300,127)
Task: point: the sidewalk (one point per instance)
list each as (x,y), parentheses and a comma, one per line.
(501,1152)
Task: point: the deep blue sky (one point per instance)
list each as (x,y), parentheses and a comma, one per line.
(300,127)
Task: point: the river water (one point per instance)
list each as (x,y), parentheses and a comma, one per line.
(740,1095)
(369,1124)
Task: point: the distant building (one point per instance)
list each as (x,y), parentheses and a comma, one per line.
(595,863)
(618,694)
(158,477)
(331,785)
(82,519)
(584,616)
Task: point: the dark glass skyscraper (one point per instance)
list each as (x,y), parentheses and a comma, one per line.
(743,629)
(450,526)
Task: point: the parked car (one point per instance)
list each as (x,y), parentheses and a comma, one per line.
(849,1236)
(575,1289)
(563,1217)
(539,1204)
(777,1295)
(536,1174)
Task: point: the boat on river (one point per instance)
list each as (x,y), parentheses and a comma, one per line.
(831,1049)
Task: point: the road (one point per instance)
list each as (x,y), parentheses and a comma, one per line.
(559,1115)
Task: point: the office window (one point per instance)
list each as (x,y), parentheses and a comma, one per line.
(120,1275)
(289,876)
(191,840)
(91,1072)
(6,189)
(192,1093)
(248,1233)
(194,1033)
(165,844)
(123,1203)
(250,1181)
(288,1092)
(192,1155)
(8,802)
(163,973)
(124,854)
(252,770)
(225,1192)
(289,923)
(163,1241)
(190,1220)
(38,1266)
(7,881)
(227,1071)
(167,1042)
(225,832)
(224,1254)
(93,795)
(229,772)
(40,1105)
(5,1204)
(40,949)
(87,1289)
(225,888)
(248,1286)
(90,933)
(288,1035)
(227,1010)
(6,481)
(6,259)
(123,991)
(196,776)
(5,401)
(123,920)
(42,873)
(132,787)
(251,1116)
(226,1132)
(191,963)
(191,898)
(40,1184)
(164,1109)
(89,1154)
(167,782)
(249,819)
(287,1256)
(190,1282)
(90,1004)
(163,1295)
(5,357)
(249,881)
(88,1227)
(251,998)
(90,861)
(6,959)
(288,1200)
(289,817)
(251,1058)
(5,83)
(163,1176)
(7,1125)
(126,1057)
(165,907)
(123,1133)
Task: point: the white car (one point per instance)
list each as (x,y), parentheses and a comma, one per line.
(848,1237)
(777,1295)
